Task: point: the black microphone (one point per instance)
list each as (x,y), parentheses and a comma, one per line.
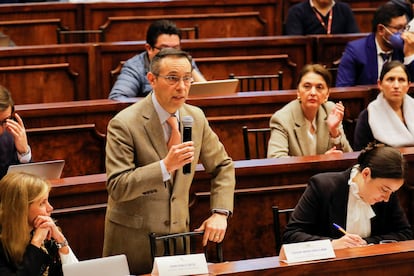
(187,125)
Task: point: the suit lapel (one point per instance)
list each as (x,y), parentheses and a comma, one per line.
(372,59)
(301,130)
(154,129)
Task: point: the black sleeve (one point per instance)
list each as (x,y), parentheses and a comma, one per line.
(363,133)
(34,262)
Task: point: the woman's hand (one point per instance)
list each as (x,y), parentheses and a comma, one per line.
(335,119)
(348,241)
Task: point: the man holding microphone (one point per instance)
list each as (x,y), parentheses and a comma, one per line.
(148,189)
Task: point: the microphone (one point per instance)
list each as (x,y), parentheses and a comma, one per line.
(187,126)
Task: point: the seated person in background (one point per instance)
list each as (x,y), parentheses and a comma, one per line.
(320,17)
(362,199)
(30,241)
(310,124)
(408,5)
(363,58)
(132,81)
(390,117)
(14,148)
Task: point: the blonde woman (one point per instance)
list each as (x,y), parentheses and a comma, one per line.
(30,241)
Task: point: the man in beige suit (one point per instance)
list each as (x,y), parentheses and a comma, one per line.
(148,191)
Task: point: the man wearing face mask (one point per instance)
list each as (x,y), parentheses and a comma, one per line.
(363,59)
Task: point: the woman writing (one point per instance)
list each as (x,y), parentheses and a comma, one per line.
(310,124)
(361,199)
(389,118)
(30,241)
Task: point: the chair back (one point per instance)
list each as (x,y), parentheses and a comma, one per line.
(279,224)
(181,243)
(259,138)
(189,32)
(259,82)
(79,36)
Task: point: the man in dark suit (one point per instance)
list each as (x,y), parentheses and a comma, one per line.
(148,191)
(362,60)
(14,148)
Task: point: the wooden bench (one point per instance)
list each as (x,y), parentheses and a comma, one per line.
(50,73)
(63,124)
(32,31)
(210,25)
(96,14)
(298,50)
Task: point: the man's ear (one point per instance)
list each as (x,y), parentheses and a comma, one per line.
(151,78)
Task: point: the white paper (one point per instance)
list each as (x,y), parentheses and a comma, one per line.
(308,251)
(180,265)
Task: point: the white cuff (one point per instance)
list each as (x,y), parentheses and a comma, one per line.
(25,157)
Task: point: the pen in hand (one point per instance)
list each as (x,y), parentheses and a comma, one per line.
(340,228)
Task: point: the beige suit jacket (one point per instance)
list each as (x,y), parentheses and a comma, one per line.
(289,133)
(139,201)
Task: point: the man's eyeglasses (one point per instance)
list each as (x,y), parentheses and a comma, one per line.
(174,80)
(399,29)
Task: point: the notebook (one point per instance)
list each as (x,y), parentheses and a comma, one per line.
(213,88)
(107,266)
(46,169)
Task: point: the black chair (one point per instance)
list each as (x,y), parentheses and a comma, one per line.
(261,138)
(189,32)
(181,243)
(259,82)
(279,224)
(79,36)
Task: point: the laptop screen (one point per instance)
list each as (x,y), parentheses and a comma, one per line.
(106,266)
(46,169)
(214,88)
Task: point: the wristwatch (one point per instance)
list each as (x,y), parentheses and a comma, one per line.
(60,245)
(221,211)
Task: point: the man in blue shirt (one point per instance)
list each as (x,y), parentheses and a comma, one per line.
(133,82)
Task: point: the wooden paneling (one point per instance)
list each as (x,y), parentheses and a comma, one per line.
(96,14)
(81,146)
(49,73)
(216,68)
(32,31)
(209,25)
(69,14)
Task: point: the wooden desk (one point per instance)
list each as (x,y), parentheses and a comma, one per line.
(381,259)
(261,183)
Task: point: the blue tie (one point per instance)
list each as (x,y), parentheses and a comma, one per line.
(385,57)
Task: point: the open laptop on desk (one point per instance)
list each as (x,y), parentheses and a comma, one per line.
(214,88)
(106,266)
(46,169)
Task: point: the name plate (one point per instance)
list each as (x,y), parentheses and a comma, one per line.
(180,265)
(306,251)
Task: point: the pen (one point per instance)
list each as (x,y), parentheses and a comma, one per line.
(340,228)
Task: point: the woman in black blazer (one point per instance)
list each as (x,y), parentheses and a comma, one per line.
(362,200)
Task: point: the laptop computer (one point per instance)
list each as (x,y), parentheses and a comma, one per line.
(46,169)
(107,266)
(213,88)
